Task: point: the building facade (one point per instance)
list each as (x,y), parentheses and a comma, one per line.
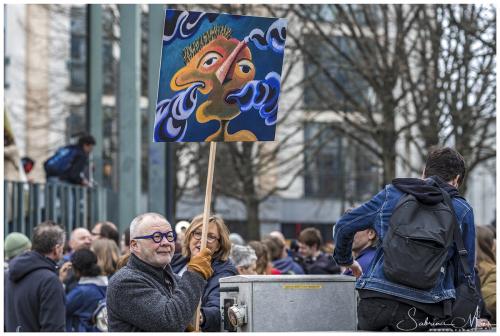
(320,173)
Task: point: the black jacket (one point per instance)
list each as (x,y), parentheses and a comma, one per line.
(34,295)
(210,301)
(323,264)
(78,165)
(141,297)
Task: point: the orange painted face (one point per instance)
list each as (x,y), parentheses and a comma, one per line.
(202,68)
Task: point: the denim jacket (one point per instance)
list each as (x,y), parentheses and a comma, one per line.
(376,214)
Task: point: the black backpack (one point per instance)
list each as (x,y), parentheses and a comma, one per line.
(417,242)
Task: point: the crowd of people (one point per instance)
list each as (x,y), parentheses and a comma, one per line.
(153,276)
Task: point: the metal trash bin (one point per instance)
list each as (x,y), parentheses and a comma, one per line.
(288,303)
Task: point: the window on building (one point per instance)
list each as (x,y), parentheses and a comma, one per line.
(78,53)
(336,167)
(323,162)
(75,122)
(329,13)
(324,67)
(78,60)
(362,174)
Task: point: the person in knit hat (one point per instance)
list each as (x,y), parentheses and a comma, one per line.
(15,244)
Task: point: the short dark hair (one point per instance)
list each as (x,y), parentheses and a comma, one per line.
(46,236)
(446,163)
(108,231)
(311,237)
(85,263)
(86,139)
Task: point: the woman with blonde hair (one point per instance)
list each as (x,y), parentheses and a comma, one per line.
(220,245)
(108,254)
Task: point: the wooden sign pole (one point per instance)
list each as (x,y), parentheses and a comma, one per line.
(206,213)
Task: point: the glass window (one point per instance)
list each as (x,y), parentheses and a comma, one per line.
(358,12)
(324,63)
(323,164)
(78,61)
(336,167)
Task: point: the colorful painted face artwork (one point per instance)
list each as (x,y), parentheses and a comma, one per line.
(219,77)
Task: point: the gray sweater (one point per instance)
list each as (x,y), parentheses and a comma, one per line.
(141,297)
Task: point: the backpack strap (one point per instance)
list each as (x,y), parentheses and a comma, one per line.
(457,237)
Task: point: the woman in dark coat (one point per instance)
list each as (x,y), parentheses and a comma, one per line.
(217,241)
(82,301)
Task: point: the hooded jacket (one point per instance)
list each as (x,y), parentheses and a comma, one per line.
(287,266)
(34,295)
(376,214)
(82,302)
(210,301)
(322,264)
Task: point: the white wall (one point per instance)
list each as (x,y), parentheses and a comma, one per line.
(15,49)
(59,55)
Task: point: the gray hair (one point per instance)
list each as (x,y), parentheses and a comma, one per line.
(242,256)
(46,236)
(236,239)
(136,223)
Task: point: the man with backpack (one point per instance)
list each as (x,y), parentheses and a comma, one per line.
(424,266)
(68,163)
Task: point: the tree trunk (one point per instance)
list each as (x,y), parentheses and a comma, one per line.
(387,142)
(250,194)
(389,164)
(253,222)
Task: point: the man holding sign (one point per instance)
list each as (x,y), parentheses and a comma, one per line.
(146,295)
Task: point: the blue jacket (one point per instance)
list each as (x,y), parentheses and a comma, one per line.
(82,302)
(376,214)
(210,300)
(364,259)
(287,266)
(34,295)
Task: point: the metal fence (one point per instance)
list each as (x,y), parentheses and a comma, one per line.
(71,206)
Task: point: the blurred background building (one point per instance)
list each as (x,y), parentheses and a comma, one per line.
(351,118)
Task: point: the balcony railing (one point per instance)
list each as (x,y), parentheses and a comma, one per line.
(28,204)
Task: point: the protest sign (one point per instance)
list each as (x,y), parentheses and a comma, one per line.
(219,77)
(220,80)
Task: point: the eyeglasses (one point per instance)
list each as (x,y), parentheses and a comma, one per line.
(210,238)
(157,237)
